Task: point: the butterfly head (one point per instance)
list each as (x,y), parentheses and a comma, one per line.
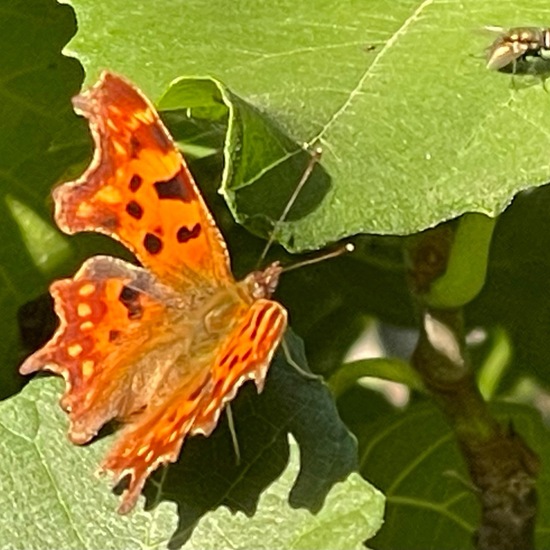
(262,284)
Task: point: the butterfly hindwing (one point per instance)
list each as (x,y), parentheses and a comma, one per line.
(194,408)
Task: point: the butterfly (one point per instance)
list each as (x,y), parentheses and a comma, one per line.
(160,347)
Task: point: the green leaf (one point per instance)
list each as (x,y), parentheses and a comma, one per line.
(47,248)
(351,515)
(262,164)
(290,403)
(195,111)
(515,295)
(36,82)
(495,362)
(49,496)
(415,129)
(466,268)
(53,492)
(414,459)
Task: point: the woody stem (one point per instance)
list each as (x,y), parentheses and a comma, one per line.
(502,467)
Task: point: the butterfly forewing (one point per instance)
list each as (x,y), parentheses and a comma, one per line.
(139,190)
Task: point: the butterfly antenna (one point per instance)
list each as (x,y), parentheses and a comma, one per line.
(344,249)
(315,155)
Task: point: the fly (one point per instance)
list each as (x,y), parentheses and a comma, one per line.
(517,43)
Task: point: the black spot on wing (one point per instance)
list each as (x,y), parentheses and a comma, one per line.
(135,183)
(184,234)
(174,188)
(135,210)
(152,244)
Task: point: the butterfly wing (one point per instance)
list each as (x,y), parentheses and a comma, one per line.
(163,347)
(127,353)
(139,190)
(115,321)
(194,407)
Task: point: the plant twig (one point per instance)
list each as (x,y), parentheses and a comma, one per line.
(501,465)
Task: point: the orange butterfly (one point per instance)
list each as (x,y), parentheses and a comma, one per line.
(161,347)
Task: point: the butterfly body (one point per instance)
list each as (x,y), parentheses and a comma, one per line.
(161,347)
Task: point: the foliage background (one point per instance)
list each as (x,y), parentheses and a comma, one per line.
(415,132)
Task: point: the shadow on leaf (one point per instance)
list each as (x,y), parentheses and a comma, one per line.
(207,475)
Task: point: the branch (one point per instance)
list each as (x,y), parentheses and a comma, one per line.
(502,467)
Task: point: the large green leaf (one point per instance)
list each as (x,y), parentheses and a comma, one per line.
(415,129)
(351,515)
(261,163)
(50,497)
(415,460)
(373,281)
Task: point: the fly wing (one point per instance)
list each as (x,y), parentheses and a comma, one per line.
(501,53)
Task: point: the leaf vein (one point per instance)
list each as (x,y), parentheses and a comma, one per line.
(369,70)
(62,503)
(415,502)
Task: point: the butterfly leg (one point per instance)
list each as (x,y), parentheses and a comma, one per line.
(290,360)
(514,84)
(233,432)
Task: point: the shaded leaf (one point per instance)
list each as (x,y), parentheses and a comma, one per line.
(414,459)
(394,370)
(289,403)
(514,297)
(36,82)
(262,165)
(351,515)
